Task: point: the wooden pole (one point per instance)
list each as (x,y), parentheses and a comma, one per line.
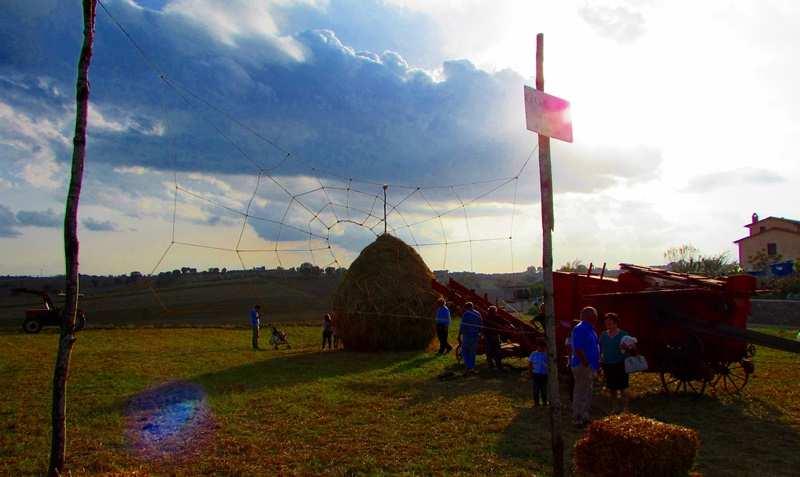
(546,187)
(385,186)
(66,342)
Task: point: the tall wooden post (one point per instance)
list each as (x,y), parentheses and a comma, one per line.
(67,337)
(546,187)
(385,225)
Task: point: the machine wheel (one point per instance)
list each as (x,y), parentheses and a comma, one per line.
(733,377)
(688,373)
(677,385)
(32,326)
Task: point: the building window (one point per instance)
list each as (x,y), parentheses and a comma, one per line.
(772,249)
(761,229)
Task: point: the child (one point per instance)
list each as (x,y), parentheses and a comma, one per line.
(327,331)
(537,364)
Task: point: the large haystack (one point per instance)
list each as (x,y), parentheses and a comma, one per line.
(386,301)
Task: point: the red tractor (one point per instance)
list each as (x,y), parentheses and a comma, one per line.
(47,315)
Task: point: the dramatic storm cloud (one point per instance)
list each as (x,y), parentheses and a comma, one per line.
(347,95)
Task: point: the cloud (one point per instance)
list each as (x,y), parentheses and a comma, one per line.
(732,178)
(239,22)
(100,225)
(589,169)
(40,218)
(33,145)
(137,170)
(342,109)
(8,223)
(618,23)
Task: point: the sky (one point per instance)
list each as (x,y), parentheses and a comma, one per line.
(260,133)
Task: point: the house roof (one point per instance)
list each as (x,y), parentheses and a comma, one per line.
(773,229)
(791,221)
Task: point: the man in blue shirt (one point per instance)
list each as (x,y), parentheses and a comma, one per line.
(255,324)
(443,326)
(585,361)
(468,334)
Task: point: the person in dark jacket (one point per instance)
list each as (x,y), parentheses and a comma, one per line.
(443,326)
(327,332)
(468,335)
(491,339)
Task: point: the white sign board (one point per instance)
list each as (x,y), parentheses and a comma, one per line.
(547,115)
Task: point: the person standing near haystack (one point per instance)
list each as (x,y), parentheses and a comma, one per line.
(468,334)
(443,326)
(585,361)
(327,331)
(255,324)
(491,340)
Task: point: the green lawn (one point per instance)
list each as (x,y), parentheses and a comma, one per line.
(304,412)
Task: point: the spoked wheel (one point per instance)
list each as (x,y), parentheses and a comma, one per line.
(732,377)
(683,385)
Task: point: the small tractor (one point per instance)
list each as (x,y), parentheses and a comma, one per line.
(47,315)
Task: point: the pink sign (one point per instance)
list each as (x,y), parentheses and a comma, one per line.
(547,115)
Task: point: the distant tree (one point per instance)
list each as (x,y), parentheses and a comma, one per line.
(537,290)
(681,255)
(688,259)
(573,266)
(761,260)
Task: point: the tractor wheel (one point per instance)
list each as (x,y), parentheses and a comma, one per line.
(32,326)
(733,377)
(679,385)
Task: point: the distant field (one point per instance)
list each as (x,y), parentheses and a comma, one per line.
(302,412)
(223,302)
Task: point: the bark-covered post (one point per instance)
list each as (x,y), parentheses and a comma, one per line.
(548,221)
(67,336)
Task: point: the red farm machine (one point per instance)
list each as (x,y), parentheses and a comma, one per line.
(691,329)
(47,314)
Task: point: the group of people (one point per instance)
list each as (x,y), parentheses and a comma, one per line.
(589,354)
(469,333)
(330,339)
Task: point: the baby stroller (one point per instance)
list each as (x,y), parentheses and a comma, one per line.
(278,338)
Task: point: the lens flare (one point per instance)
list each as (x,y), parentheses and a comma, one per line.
(172,419)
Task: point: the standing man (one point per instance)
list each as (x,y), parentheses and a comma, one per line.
(491,340)
(585,361)
(443,326)
(468,334)
(255,323)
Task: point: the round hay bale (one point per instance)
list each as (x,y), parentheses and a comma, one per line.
(385,301)
(628,444)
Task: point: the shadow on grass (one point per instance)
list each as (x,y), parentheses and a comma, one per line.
(300,368)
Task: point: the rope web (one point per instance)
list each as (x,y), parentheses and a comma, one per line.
(303,217)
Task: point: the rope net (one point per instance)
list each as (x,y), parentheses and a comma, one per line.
(319,216)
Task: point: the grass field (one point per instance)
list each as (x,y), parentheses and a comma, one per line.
(304,412)
(199,303)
